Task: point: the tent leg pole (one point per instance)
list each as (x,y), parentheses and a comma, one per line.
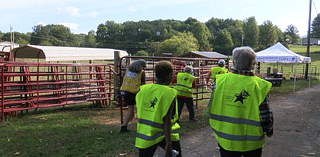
(295,78)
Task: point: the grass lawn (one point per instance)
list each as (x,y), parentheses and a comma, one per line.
(87,130)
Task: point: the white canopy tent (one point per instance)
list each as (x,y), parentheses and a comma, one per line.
(57,53)
(280,54)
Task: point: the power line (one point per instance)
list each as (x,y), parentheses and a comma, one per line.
(315,7)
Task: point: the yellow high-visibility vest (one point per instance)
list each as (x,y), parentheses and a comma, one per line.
(234,111)
(184,84)
(216,71)
(153,104)
(131,82)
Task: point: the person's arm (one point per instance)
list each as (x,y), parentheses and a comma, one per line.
(194,83)
(266,117)
(167,129)
(174,80)
(208,78)
(143,78)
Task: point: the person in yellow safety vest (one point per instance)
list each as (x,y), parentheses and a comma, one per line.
(216,71)
(157,114)
(132,79)
(183,83)
(238,108)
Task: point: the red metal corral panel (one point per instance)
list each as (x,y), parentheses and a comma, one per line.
(26,85)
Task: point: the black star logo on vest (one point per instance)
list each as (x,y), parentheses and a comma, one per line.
(219,72)
(186,79)
(153,102)
(243,95)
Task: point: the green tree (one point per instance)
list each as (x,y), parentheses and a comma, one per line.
(153,48)
(22,42)
(141,53)
(80,38)
(57,35)
(315,28)
(201,32)
(279,34)
(90,39)
(267,34)
(236,33)
(179,44)
(1,34)
(18,37)
(223,42)
(109,34)
(293,32)
(251,32)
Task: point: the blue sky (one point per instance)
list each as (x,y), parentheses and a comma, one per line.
(82,16)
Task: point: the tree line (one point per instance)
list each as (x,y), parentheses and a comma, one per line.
(146,38)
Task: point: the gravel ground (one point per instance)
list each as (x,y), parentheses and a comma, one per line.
(296,126)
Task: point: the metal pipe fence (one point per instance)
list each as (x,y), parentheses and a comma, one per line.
(40,85)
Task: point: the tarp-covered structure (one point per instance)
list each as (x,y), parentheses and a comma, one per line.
(5,46)
(58,53)
(280,54)
(204,54)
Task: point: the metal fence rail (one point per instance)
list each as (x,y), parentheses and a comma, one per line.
(26,85)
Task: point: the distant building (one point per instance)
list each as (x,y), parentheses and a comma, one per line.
(203,54)
(5,46)
(313,41)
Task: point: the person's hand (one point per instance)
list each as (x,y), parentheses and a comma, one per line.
(269,134)
(168,150)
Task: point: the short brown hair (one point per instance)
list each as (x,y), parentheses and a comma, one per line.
(163,69)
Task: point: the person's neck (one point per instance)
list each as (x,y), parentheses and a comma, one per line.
(159,81)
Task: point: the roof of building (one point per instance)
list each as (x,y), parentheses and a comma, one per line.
(5,46)
(204,54)
(58,53)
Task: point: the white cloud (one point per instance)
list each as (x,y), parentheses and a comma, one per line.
(94,14)
(205,19)
(229,9)
(247,8)
(72,26)
(41,23)
(73,11)
(132,9)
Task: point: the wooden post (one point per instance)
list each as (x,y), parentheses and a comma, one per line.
(116,77)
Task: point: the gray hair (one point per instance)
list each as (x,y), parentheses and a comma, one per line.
(135,67)
(188,69)
(243,58)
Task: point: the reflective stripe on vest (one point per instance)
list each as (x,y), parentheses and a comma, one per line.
(234,111)
(184,84)
(153,103)
(131,82)
(235,120)
(238,137)
(153,124)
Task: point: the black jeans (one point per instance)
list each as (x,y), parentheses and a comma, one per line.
(253,153)
(189,103)
(148,152)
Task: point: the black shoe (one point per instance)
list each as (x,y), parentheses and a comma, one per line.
(193,120)
(124,129)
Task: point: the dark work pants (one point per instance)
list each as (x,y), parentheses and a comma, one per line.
(148,152)
(253,153)
(189,103)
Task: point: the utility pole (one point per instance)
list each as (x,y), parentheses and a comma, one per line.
(308,41)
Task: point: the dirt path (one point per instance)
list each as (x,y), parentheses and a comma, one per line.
(296,126)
